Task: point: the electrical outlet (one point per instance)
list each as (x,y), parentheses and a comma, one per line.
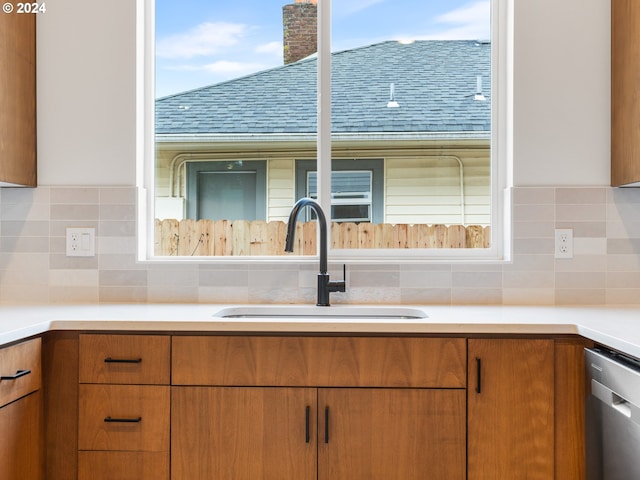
(564,243)
(81,242)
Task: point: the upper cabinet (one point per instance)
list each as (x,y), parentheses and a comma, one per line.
(17,100)
(625,92)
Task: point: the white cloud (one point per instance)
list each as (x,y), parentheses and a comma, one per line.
(270,48)
(232,69)
(204,39)
(221,69)
(471,21)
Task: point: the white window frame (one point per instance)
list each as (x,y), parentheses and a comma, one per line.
(501,149)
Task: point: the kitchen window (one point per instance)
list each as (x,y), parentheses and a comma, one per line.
(428,99)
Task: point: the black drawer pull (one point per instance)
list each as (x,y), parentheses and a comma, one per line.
(122,360)
(123,420)
(307,434)
(326,424)
(18,374)
(478,375)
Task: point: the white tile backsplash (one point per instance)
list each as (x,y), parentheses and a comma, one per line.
(605,268)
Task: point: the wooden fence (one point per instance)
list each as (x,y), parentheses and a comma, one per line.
(227,238)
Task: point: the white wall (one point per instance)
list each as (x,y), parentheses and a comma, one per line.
(562,90)
(86,93)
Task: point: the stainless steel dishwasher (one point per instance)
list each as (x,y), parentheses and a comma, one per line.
(613,416)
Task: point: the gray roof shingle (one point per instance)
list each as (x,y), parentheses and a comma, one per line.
(435,83)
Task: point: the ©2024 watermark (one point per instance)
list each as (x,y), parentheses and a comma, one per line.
(20,7)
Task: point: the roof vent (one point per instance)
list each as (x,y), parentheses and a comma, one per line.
(479,96)
(392,101)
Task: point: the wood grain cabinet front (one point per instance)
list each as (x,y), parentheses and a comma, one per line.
(123,407)
(526,409)
(331,408)
(123,417)
(21,424)
(625,100)
(18,100)
(125,359)
(511,409)
(316,361)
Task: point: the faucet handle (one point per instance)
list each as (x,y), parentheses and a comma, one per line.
(339,285)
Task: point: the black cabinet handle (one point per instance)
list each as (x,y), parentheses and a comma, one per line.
(18,374)
(478,375)
(123,420)
(326,424)
(122,360)
(307,434)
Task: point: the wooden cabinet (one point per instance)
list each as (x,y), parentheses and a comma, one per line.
(123,407)
(243,433)
(511,409)
(288,407)
(625,92)
(387,433)
(312,407)
(21,440)
(526,409)
(18,100)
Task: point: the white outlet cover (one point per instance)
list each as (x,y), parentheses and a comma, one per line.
(563,243)
(81,242)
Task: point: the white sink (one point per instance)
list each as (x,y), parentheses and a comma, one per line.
(311,311)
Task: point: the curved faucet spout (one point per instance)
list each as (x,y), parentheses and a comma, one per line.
(322,220)
(325,286)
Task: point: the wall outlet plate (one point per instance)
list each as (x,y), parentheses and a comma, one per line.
(81,242)
(564,243)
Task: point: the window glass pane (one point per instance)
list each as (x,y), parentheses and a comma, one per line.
(227,96)
(411,84)
(236,83)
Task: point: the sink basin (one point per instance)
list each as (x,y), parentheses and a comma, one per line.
(312,311)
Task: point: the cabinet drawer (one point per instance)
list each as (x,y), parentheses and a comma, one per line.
(20,369)
(319,361)
(123,417)
(124,359)
(123,465)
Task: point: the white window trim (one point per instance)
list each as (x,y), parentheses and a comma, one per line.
(501,150)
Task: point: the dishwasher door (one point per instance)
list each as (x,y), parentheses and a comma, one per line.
(613,416)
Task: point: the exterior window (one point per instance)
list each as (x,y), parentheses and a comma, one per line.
(383,111)
(351,197)
(356,189)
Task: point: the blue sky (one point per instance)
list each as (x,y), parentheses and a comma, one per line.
(203,42)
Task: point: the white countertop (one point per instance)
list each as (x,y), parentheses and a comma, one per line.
(616,327)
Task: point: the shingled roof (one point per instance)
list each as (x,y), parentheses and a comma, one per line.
(434,83)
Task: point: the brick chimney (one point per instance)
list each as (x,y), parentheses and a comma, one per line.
(300,36)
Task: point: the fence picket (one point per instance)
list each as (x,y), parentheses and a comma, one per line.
(241,238)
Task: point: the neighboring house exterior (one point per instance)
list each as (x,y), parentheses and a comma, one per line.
(247,146)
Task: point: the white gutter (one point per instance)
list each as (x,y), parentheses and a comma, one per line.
(312,137)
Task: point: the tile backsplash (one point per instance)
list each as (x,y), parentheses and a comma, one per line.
(605,268)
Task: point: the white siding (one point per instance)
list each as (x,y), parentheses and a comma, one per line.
(427,189)
(280,189)
(417,189)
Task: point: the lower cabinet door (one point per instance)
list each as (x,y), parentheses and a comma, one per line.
(511,409)
(123,465)
(21,452)
(243,433)
(391,434)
